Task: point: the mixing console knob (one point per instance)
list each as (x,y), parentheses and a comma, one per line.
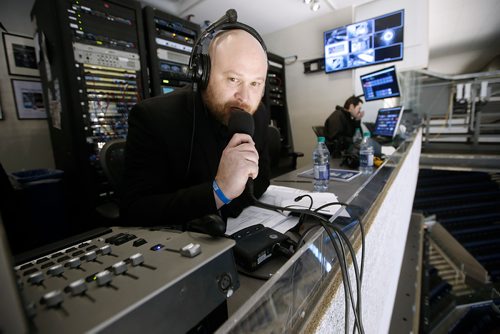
(77,287)
(105,250)
(53,298)
(90,256)
(36,278)
(103,278)
(119,268)
(136,259)
(55,270)
(74,263)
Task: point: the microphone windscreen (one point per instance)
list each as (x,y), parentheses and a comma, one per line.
(232,15)
(240,122)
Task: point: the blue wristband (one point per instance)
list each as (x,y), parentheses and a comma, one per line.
(220,194)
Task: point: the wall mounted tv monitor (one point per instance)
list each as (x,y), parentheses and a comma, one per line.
(369,42)
(380,84)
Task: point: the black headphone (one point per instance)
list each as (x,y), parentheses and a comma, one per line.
(199,63)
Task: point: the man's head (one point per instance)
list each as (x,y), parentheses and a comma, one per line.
(353,105)
(238,70)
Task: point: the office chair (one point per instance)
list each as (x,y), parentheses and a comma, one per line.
(274,144)
(112,159)
(281,161)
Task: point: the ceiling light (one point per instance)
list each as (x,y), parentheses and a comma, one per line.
(315,6)
(307,1)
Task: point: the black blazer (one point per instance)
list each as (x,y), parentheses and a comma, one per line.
(168,176)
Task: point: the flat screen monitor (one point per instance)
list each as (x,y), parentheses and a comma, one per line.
(387,122)
(369,42)
(380,84)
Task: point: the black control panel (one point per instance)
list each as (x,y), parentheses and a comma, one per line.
(170,41)
(129,280)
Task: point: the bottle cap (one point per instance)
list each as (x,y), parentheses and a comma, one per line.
(321,139)
(366,134)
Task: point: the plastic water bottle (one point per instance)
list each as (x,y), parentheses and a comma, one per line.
(356,139)
(366,154)
(321,161)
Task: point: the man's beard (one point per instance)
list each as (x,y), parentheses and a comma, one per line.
(222,110)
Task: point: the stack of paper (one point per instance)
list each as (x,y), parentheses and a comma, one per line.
(281,221)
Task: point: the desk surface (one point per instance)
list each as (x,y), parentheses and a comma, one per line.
(279,302)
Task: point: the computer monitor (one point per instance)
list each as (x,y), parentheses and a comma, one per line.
(380,84)
(387,122)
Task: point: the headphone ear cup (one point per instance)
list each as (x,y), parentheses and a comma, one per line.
(204,72)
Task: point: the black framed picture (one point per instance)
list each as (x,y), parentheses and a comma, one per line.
(28,96)
(20,53)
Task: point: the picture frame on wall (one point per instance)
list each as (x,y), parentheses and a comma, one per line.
(28,96)
(20,54)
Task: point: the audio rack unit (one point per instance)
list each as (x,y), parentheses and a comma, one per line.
(170,41)
(276,102)
(93,70)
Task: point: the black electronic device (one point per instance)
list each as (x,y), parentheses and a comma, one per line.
(380,84)
(387,123)
(93,71)
(199,62)
(255,245)
(119,280)
(368,42)
(170,41)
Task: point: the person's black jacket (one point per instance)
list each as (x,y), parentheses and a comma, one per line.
(168,176)
(339,130)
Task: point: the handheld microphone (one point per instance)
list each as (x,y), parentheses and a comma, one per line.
(242,122)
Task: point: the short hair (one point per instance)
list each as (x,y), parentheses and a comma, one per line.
(354,100)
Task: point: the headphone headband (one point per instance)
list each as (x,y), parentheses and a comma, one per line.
(199,63)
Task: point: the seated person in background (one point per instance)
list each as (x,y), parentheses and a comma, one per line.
(341,125)
(178,147)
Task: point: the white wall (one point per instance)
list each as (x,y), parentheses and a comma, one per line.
(24,144)
(311,97)
(463,40)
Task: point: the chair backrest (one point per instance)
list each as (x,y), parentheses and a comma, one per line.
(112,158)
(319,130)
(274,144)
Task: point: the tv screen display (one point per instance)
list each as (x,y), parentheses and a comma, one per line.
(369,42)
(380,84)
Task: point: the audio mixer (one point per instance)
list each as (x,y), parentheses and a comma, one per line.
(128,280)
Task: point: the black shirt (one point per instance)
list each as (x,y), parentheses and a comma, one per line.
(340,127)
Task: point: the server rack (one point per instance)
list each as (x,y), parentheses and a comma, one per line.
(170,40)
(275,100)
(93,70)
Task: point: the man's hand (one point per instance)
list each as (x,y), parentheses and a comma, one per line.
(239,161)
(359,115)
